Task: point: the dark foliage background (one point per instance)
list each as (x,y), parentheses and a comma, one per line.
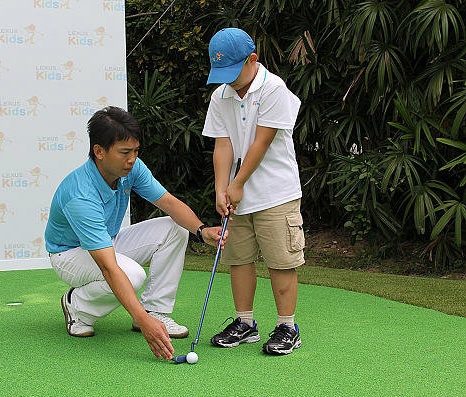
(380,137)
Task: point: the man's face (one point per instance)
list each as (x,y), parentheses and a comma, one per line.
(120,158)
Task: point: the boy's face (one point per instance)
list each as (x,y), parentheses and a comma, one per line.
(247,74)
(119,159)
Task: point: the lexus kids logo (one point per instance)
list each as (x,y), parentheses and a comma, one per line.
(24,250)
(65,142)
(80,38)
(36,175)
(32,33)
(18,180)
(34,106)
(61,72)
(4,141)
(44,214)
(54,4)
(87,107)
(72,138)
(97,37)
(38,245)
(101,36)
(102,102)
(5,213)
(115,73)
(14,36)
(113,5)
(15,108)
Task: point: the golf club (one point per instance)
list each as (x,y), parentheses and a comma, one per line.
(183,358)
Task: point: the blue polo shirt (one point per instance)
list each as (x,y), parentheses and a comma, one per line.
(87,213)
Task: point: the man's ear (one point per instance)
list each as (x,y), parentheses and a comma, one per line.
(99,151)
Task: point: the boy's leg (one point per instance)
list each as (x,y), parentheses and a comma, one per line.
(240,252)
(285,290)
(243,286)
(281,239)
(161,242)
(91,297)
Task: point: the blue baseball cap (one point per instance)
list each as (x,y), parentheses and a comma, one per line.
(228,49)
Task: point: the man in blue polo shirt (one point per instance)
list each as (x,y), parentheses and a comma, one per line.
(102,263)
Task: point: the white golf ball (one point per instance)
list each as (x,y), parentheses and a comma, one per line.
(192,358)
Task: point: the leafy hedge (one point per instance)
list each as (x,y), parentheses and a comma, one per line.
(381,131)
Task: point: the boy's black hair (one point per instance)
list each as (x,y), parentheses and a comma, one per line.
(110,125)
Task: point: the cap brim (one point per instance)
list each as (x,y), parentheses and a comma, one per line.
(226,75)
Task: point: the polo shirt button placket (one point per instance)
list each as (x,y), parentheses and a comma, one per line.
(242,112)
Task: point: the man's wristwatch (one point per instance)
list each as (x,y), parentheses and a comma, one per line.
(199,233)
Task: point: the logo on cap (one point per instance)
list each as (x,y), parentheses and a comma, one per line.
(218,57)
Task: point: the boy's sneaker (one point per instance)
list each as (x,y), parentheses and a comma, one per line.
(74,325)
(235,333)
(174,329)
(283,340)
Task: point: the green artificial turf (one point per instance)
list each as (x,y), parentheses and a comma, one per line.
(353,345)
(445,295)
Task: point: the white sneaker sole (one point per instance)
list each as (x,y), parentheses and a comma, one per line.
(296,346)
(67,321)
(249,339)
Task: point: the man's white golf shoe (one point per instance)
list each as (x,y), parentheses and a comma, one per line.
(74,325)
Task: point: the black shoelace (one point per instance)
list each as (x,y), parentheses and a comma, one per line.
(280,333)
(229,327)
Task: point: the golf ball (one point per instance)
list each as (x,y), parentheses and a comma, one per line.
(192,358)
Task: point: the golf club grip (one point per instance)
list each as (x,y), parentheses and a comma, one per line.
(238,166)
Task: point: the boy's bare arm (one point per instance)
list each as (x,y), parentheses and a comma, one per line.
(255,154)
(223,160)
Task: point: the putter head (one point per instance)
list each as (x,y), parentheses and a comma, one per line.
(179,359)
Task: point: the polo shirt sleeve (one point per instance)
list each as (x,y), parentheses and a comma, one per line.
(87,221)
(214,125)
(278,108)
(145,184)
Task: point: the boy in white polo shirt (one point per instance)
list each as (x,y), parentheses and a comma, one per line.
(251,116)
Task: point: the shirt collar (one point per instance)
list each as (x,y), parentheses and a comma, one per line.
(105,191)
(257,83)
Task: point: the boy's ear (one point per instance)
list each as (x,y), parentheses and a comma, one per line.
(253,58)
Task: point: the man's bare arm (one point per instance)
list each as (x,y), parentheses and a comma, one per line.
(153,330)
(185,217)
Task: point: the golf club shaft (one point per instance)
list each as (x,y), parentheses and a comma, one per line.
(238,166)
(219,248)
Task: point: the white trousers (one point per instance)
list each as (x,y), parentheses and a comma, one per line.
(160,241)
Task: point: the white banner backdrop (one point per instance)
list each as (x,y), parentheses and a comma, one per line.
(60,62)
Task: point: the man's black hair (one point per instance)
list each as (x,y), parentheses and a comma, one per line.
(110,125)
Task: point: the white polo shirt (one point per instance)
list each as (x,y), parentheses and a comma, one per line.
(268,103)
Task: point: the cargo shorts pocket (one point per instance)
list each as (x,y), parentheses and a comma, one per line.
(295,232)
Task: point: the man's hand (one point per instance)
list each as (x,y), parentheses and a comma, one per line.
(235,193)
(153,330)
(211,236)
(157,337)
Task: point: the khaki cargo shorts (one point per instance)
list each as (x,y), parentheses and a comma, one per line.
(277,233)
